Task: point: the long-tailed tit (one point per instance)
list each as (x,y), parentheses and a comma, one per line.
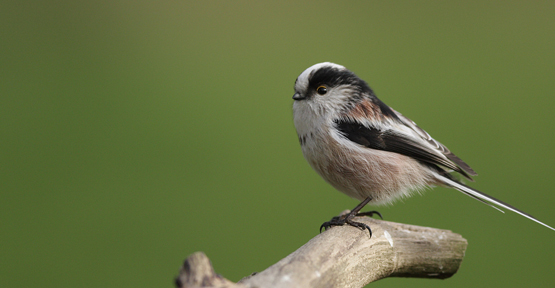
(367,150)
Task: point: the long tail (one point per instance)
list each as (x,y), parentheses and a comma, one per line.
(487,199)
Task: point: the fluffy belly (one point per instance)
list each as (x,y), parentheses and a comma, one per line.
(364,172)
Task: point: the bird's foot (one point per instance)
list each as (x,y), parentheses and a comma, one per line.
(348,219)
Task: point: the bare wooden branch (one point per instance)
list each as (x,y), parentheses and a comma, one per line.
(348,257)
(197,271)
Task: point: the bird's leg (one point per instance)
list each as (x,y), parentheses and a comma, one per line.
(348,218)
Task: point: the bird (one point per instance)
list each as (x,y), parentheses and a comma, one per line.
(368,150)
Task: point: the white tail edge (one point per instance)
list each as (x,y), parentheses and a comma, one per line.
(486,199)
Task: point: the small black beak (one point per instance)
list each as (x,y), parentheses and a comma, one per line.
(298,96)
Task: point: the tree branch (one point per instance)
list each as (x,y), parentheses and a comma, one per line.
(346,257)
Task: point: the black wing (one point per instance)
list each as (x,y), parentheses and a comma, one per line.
(440,147)
(388,140)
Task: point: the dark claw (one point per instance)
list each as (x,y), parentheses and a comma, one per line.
(325,226)
(370,214)
(361,226)
(335,221)
(348,218)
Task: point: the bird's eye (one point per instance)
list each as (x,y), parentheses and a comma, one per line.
(322,90)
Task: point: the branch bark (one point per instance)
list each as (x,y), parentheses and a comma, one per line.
(346,257)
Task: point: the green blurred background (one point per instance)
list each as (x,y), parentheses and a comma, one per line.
(134,133)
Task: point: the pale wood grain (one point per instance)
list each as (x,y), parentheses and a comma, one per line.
(347,257)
